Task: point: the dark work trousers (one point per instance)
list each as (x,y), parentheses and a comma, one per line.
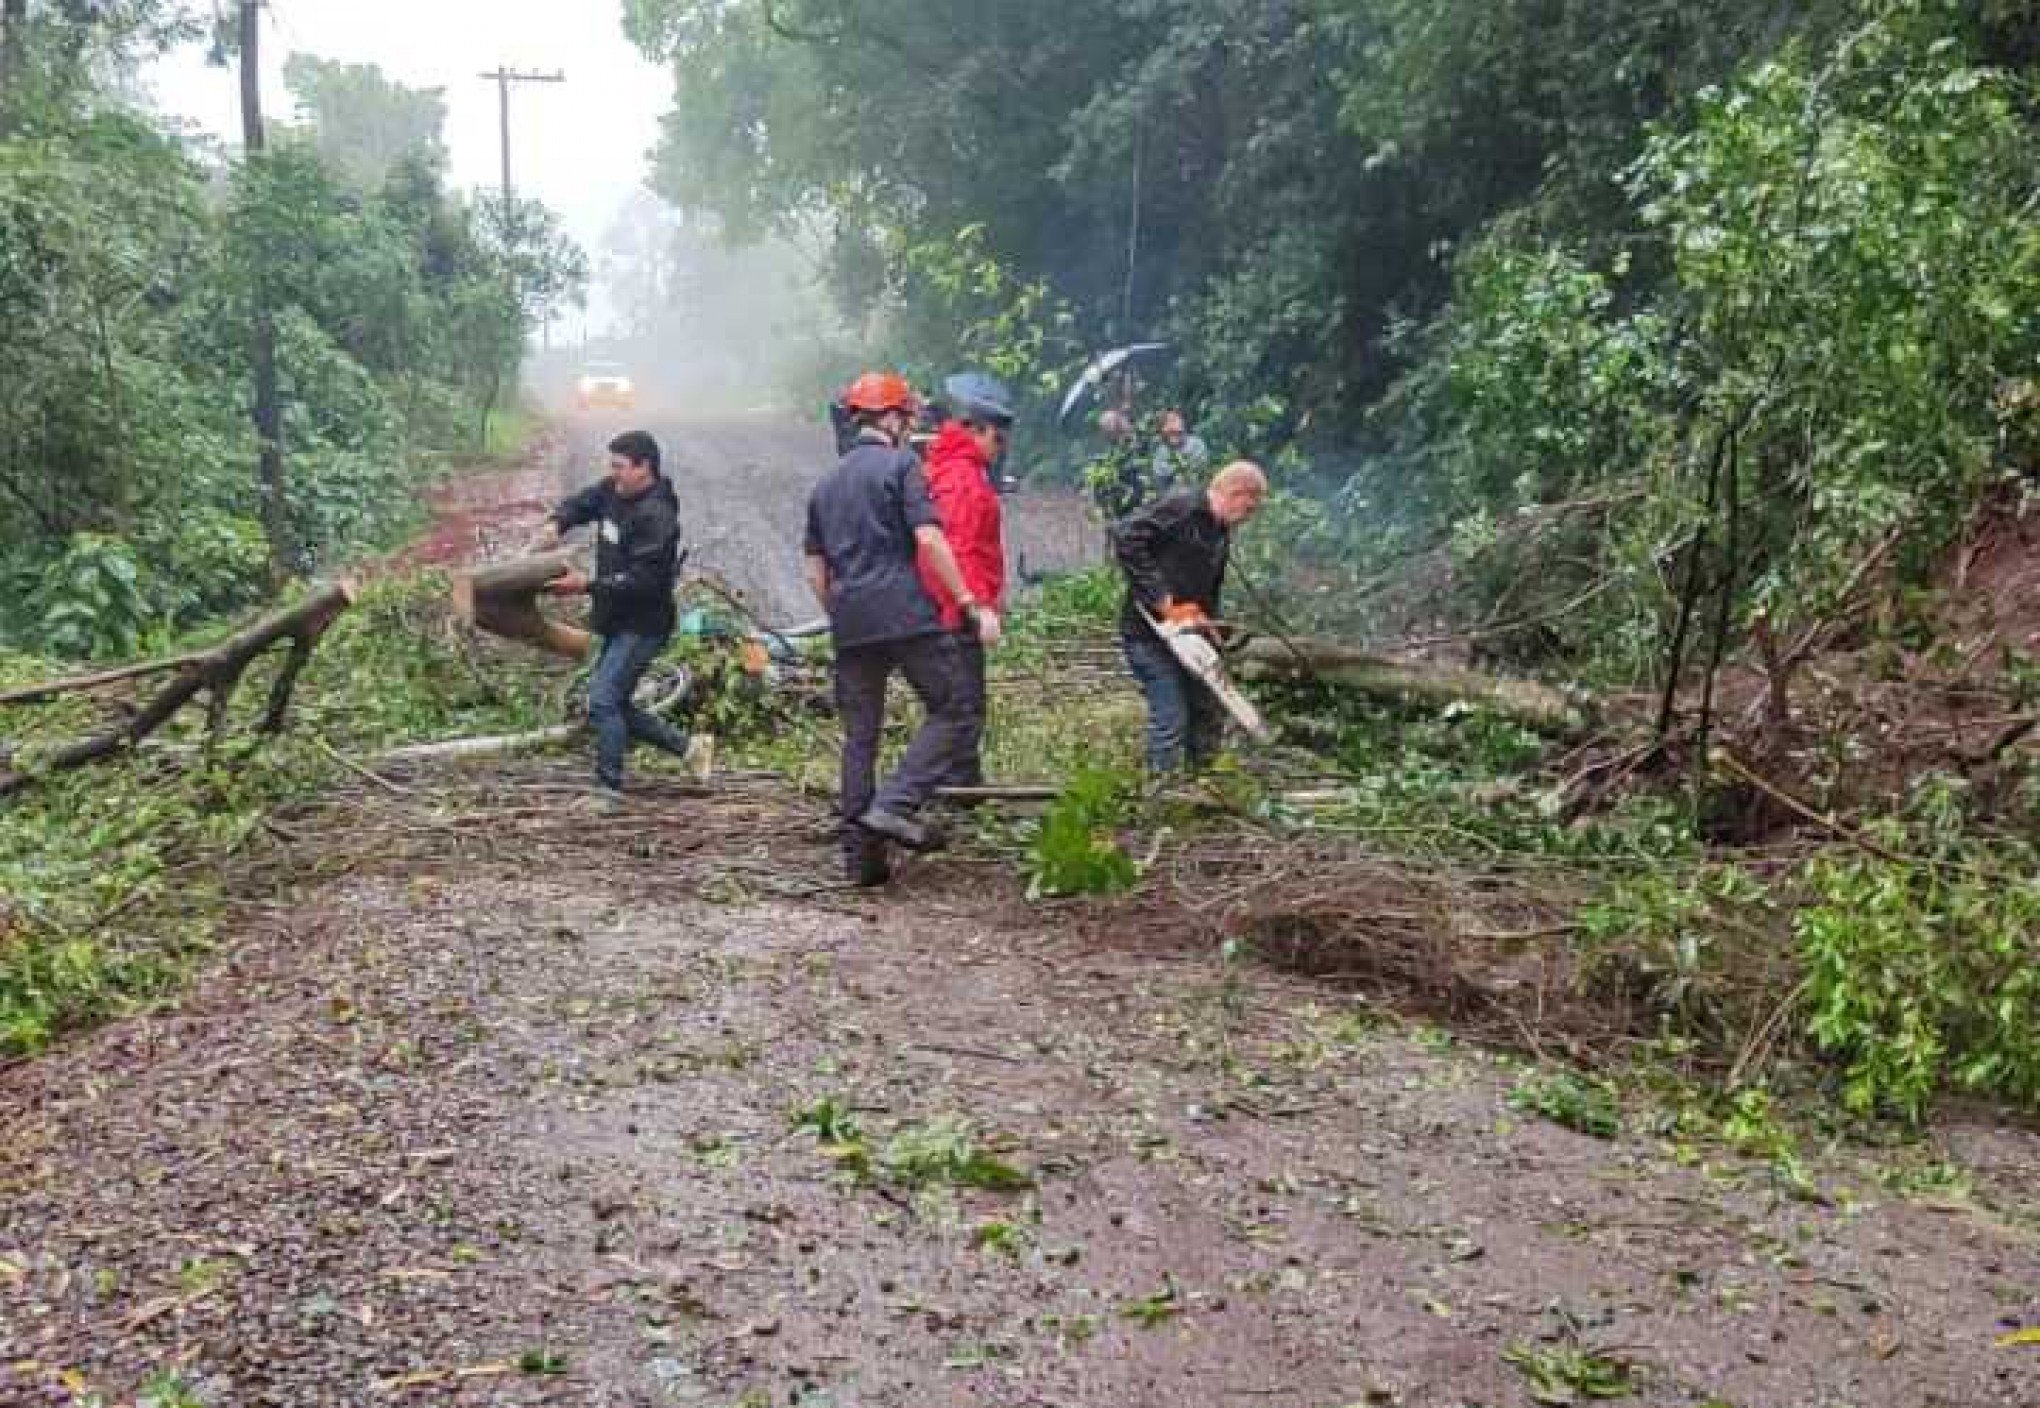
(968,770)
(1185,722)
(624,659)
(862,672)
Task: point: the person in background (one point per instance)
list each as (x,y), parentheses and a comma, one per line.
(637,548)
(1180,457)
(1117,478)
(842,427)
(1173,553)
(961,461)
(869,523)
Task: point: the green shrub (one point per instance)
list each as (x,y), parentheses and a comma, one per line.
(1923,975)
(1075,851)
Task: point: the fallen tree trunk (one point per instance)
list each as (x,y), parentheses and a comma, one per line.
(502,599)
(214,673)
(1345,667)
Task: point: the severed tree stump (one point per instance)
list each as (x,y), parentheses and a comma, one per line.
(502,599)
(213,673)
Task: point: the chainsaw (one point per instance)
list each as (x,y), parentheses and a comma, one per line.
(1194,650)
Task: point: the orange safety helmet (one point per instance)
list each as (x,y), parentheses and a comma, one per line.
(875,393)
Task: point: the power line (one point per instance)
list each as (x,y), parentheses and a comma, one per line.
(503,78)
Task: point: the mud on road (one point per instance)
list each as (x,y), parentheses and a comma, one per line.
(513,1121)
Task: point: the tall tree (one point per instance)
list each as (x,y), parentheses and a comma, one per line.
(13,43)
(362,122)
(268,409)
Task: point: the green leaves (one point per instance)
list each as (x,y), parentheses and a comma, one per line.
(1565,1375)
(1920,977)
(1578,1102)
(1075,851)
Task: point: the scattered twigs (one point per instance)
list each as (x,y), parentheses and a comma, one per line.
(1736,768)
(214,673)
(357,769)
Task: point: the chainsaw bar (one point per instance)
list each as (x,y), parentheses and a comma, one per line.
(1201,658)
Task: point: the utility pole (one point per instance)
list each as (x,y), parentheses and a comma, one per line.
(503,78)
(262,350)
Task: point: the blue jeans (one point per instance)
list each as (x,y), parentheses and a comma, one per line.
(624,659)
(1184,722)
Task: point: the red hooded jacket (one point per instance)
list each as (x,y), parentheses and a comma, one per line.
(959,483)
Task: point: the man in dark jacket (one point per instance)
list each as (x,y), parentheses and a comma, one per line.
(867,521)
(1174,553)
(637,546)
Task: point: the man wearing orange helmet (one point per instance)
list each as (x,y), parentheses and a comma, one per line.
(869,522)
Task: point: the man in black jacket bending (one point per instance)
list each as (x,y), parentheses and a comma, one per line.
(1174,553)
(637,546)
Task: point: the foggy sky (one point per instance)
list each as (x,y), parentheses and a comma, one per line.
(579,146)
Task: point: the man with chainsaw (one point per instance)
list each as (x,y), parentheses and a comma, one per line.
(637,545)
(1174,553)
(961,461)
(869,524)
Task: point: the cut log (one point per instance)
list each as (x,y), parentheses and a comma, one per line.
(502,599)
(493,746)
(1531,704)
(214,673)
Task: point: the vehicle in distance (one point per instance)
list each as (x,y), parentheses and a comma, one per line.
(604,384)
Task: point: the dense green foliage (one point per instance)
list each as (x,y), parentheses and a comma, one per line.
(131,272)
(1444,262)
(109,875)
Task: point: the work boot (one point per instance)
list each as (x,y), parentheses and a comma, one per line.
(914,835)
(865,863)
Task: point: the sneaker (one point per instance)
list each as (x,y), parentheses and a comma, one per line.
(914,835)
(600,800)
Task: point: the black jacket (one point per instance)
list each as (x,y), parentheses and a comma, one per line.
(637,556)
(1173,548)
(861,520)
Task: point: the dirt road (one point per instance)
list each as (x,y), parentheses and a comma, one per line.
(447,1129)
(485,1101)
(743,483)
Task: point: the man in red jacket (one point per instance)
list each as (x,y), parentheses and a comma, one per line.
(960,463)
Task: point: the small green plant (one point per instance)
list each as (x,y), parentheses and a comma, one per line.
(1075,852)
(1007,1239)
(1575,1101)
(829,1120)
(541,1361)
(1156,1308)
(168,1389)
(944,1152)
(202,1275)
(1565,1374)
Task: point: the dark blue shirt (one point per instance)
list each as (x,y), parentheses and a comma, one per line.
(861,520)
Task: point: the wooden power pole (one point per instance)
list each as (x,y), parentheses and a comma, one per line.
(268,406)
(503,78)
